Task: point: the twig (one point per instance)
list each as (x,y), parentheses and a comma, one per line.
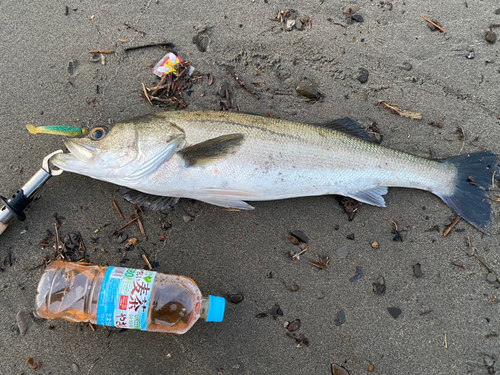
(130,222)
(445,341)
(318,265)
(118,210)
(162,82)
(138,208)
(452,225)
(402,113)
(91,326)
(147,261)
(146,94)
(242,84)
(433,23)
(141,228)
(159,87)
(135,29)
(165,45)
(393,223)
(101,51)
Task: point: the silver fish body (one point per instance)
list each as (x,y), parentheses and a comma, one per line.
(228,159)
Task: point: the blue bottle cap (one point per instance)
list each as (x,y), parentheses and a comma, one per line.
(216,307)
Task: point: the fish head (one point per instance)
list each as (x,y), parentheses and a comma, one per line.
(123,152)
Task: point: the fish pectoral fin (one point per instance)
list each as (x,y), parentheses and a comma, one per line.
(226,202)
(212,150)
(370,196)
(347,126)
(154,202)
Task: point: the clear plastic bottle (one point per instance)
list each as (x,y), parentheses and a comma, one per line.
(124,298)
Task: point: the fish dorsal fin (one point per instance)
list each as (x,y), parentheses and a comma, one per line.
(154,202)
(212,150)
(348,126)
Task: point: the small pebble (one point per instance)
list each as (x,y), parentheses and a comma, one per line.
(491,277)
(300,236)
(290,24)
(294,287)
(471,251)
(320,295)
(95,58)
(293,325)
(363,75)
(417,270)
(488,361)
(235,298)
(309,90)
(340,318)
(276,310)
(23,321)
(187,218)
(394,311)
(358,275)
(407,66)
(350,236)
(222,89)
(358,18)
(343,252)
(339,370)
(375,245)
(371,368)
(491,37)
(497,11)
(471,55)
(295,250)
(122,236)
(75,367)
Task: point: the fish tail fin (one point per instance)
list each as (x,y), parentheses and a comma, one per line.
(476,173)
(31,129)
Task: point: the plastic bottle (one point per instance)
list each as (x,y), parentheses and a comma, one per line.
(123,298)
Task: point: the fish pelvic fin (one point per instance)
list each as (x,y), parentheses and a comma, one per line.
(371,196)
(212,150)
(154,202)
(475,175)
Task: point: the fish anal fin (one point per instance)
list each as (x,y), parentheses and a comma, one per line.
(154,202)
(371,196)
(347,126)
(211,150)
(226,203)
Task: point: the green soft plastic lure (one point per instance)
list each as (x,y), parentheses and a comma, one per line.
(68,131)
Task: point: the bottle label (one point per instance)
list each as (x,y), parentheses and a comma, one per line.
(124,298)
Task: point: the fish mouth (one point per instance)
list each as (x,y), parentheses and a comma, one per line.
(82,152)
(79,157)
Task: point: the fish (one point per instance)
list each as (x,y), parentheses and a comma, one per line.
(69,131)
(228,159)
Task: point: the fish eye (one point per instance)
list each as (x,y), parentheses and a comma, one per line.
(98,133)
